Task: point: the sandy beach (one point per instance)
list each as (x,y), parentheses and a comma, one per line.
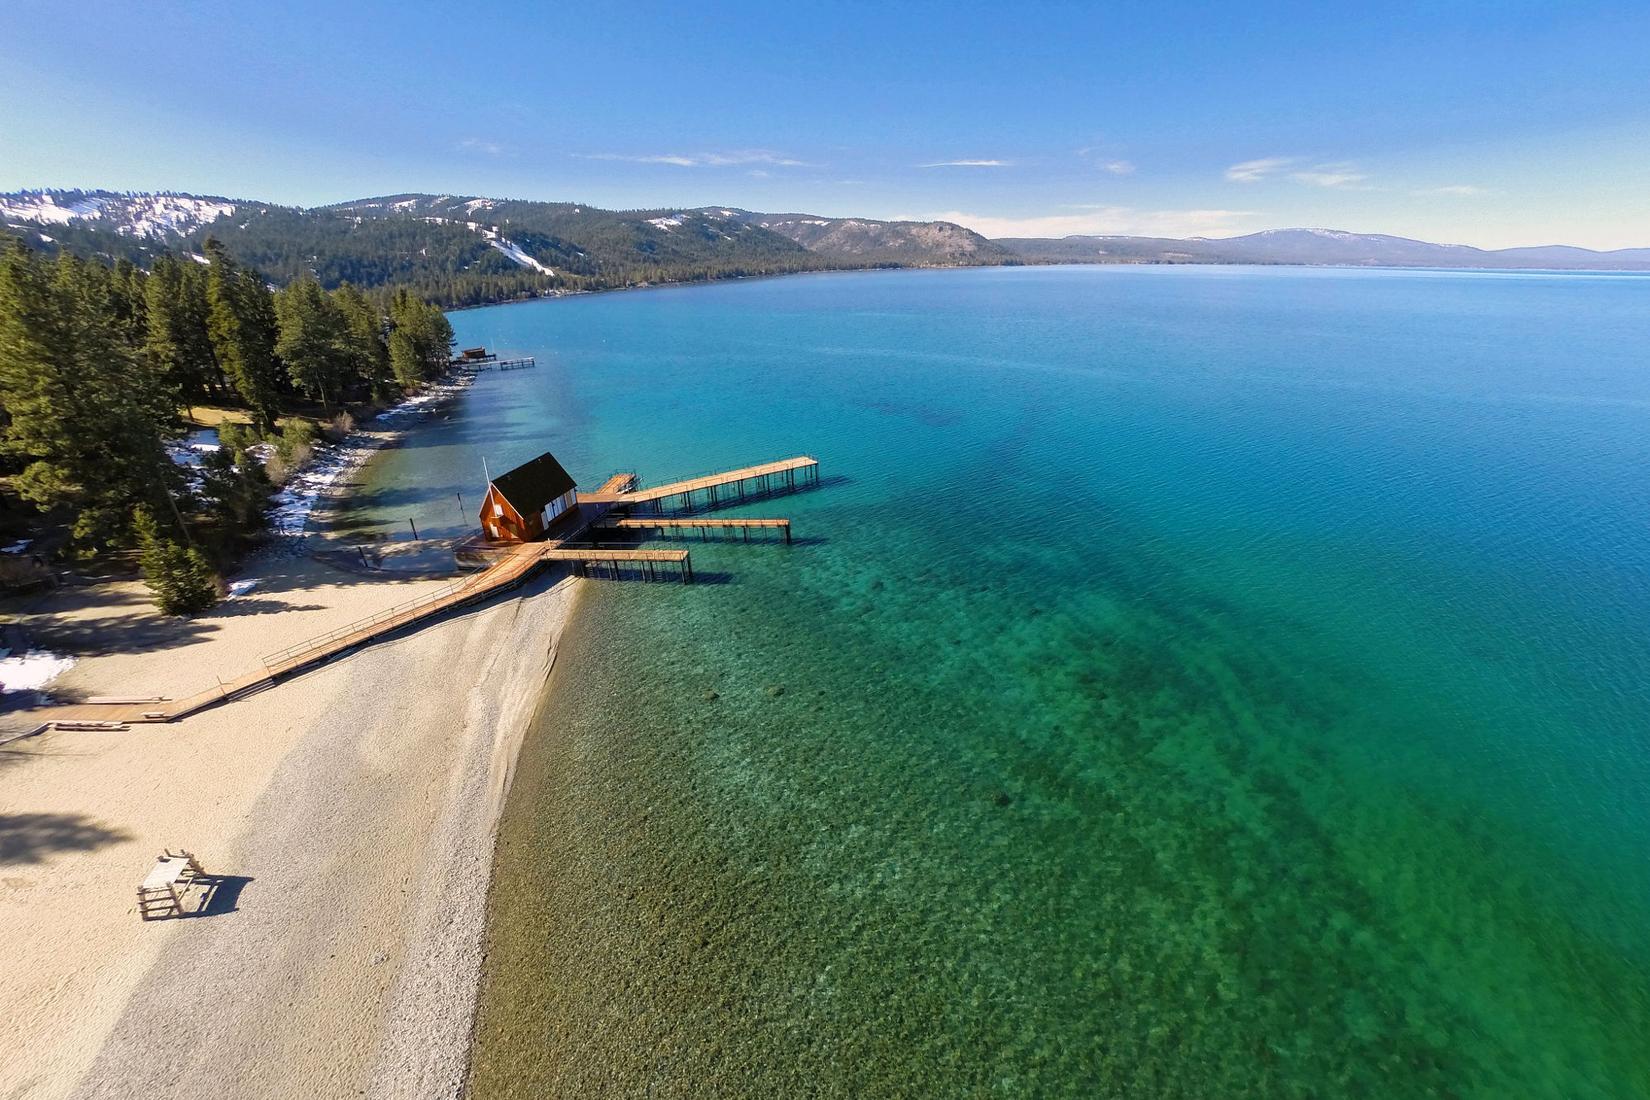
(351,812)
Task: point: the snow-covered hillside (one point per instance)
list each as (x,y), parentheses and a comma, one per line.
(154,216)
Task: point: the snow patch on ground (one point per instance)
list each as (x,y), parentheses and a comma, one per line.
(170,215)
(510,249)
(32,671)
(667,224)
(404,204)
(198,258)
(241,588)
(296,500)
(479,204)
(155,216)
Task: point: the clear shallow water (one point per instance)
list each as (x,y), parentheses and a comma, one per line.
(1197,682)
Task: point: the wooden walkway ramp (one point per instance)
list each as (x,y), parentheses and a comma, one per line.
(712,490)
(513,567)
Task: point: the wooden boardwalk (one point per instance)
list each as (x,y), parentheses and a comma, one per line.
(714,490)
(513,566)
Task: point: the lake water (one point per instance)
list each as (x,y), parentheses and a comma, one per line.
(1187,682)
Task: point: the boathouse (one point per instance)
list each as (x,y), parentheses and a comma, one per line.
(522,505)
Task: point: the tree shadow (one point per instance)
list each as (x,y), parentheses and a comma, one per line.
(30,838)
(122,628)
(244,605)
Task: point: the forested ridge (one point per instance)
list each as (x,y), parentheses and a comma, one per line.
(102,365)
(458,251)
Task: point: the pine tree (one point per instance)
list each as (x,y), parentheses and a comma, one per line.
(181,580)
(241,321)
(234,489)
(84,413)
(369,352)
(312,340)
(176,338)
(421,343)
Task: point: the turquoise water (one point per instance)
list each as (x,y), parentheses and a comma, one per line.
(1189,682)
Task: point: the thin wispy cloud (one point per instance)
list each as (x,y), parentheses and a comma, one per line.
(1099,220)
(967,164)
(735,159)
(1330,175)
(1334,174)
(1113,164)
(1456,190)
(478,145)
(1253,171)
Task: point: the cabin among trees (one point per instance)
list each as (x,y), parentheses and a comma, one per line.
(525,503)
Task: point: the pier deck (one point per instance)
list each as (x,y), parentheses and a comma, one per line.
(767,478)
(616,485)
(702,524)
(588,559)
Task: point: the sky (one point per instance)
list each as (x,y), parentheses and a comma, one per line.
(1495,125)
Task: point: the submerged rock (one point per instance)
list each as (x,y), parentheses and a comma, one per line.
(775,690)
(711,696)
(1003,798)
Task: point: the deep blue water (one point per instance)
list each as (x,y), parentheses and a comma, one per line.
(1195,681)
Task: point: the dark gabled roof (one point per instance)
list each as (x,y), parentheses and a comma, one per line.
(532,485)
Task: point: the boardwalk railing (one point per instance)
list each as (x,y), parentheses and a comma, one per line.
(504,573)
(321,641)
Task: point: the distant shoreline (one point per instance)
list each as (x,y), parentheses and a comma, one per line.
(1038,264)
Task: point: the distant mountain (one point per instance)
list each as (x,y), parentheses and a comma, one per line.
(466,250)
(1318,246)
(462,250)
(876,242)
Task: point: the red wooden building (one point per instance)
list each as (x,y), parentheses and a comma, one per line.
(527,502)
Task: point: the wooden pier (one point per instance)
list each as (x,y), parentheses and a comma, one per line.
(713,490)
(591,561)
(492,362)
(513,565)
(616,485)
(702,524)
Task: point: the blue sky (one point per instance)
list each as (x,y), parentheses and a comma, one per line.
(1494,125)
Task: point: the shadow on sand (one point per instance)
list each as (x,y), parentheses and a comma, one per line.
(30,838)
